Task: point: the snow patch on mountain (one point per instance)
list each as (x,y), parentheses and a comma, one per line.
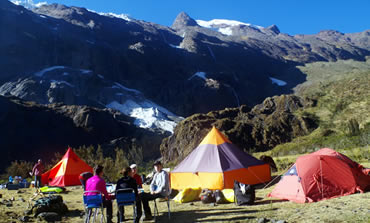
(174,46)
(28,4)
(42,72)
(216,22)
(118,85)
(146,113)
(85,71)
(226,31)
(113,15)
(278,82)
(224,26)
(54,83)
(201,75)
(120,16)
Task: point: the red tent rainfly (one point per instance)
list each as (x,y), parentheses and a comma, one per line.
(66,172)
(321,175)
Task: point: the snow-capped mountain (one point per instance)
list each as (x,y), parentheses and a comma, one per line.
(61,84)
(224,26)
(28,4)
(237,58)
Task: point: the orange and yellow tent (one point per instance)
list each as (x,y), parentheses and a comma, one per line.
(216,163)
(67,171)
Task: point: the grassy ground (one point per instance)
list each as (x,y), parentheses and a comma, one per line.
(341,89)
(353,208)
(339,93)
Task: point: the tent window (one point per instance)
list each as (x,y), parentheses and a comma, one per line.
(292,171)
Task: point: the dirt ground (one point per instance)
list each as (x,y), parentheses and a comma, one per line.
(353,208)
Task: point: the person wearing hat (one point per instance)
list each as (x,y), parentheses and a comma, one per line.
(159,188)
(136,176)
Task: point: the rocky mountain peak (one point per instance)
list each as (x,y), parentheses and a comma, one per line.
(182,20)
(274,29)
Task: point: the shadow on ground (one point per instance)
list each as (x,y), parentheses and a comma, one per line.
(209,215)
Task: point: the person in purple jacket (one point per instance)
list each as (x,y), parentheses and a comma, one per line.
(97,183)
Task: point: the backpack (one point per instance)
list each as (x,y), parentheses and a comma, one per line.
(220,198)
(207,197)
(244,193)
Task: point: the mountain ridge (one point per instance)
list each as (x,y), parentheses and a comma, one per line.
(186,69)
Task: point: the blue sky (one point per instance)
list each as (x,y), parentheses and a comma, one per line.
(291,16)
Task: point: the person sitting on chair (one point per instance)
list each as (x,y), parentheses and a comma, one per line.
(84,177)
(136,176)
(127,181)
(97,183)
(159,188)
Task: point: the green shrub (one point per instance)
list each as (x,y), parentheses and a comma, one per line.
(353,127)
(19,168)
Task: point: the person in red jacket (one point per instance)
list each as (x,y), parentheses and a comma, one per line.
(136,176)
(37,172)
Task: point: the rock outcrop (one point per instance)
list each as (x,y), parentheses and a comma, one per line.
(258,129)
(29,130)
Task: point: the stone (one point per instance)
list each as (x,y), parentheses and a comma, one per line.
(28,212)
(24,218)
(262,220)
(49,216)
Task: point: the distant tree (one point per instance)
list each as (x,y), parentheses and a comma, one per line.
(19,168)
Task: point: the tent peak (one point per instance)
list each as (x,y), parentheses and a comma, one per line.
(215,137)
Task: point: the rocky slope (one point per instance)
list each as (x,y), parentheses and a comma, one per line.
(69,86)
(258,129)
(30,130)
(91,61)
(238,61)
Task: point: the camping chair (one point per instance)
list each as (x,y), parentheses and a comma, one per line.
(93,203)
(126,197)
(156,212)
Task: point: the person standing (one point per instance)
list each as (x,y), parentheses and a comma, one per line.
(128,182)
(136,176)
(37,172)
(159,188)
(97,183)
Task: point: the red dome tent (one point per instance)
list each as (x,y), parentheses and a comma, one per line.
(66,171)
(321,175)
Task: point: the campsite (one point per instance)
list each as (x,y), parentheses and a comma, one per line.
(328,204)
(352,208)
(184,111)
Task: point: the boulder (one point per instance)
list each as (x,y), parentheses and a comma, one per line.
(49,217)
